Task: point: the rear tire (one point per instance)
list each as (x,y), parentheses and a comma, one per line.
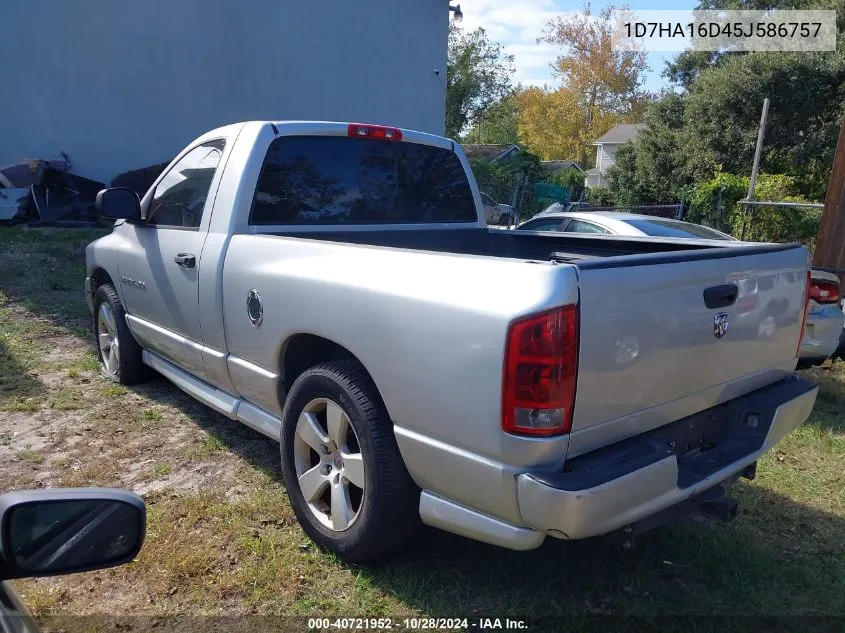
(118,351)
(345,478)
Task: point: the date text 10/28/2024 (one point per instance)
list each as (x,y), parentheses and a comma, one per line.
(416,624)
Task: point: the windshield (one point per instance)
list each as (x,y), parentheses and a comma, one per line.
(673,228)
(340,180)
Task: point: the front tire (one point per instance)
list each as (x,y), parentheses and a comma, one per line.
(118,351)
(345,478)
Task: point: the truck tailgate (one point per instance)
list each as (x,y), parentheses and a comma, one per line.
(664,336)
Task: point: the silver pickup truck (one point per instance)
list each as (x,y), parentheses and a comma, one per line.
(334,287)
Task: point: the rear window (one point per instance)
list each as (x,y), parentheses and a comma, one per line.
(339,180)
(673,228)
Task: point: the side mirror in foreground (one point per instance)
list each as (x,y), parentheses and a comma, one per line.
(67,530)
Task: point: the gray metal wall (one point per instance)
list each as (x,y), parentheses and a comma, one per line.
(122,84)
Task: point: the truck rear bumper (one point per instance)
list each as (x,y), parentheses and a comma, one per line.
(621,484)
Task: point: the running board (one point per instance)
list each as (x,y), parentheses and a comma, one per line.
(222,402)
(260,420)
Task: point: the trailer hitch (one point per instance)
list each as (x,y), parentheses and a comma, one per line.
(711,503)
(723,509)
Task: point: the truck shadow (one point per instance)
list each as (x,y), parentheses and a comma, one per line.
(779,558)
(258,450)
(17,386)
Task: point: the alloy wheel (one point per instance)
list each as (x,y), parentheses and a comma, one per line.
(329,464)
(107,339)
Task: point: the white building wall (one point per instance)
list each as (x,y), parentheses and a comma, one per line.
(124,84)
(607,156)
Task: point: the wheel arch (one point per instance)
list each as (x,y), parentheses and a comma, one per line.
(99,277)
(304,350)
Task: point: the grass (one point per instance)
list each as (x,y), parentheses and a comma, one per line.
(67,399)
(162,470)
(30,456)
(212,444)
(222,538)
(152,415)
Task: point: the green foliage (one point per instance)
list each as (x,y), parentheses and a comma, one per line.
(501,179)
(704,202)
(601,197)
(762,224)
(782,224)
(688,66)
(651,168)
(722,113)
(571,178)
(496,126)
(710,126)
(477,76)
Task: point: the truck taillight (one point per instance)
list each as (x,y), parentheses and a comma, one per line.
(806,310)
(538,387)
(824,291)
(361,130)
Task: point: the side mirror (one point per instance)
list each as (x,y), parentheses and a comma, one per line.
(118,203)
(67,530)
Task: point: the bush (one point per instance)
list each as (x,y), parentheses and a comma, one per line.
(600,197)
(572,179)
(703,204)
(501,179)
(762,224)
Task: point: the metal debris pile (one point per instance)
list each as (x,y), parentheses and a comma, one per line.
(46,193)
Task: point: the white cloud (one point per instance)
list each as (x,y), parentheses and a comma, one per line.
(517,24)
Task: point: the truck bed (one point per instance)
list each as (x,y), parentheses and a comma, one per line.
(648,354)
(529,245)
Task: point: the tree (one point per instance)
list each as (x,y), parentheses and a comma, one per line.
(549,124)
(688,66)
(477,76)
(606,81)
(497,125)
(711,125)
(806,93)
(652,168)
(600,87)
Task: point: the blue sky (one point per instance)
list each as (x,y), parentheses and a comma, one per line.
(518,23)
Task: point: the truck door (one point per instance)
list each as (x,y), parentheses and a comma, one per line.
(159,265)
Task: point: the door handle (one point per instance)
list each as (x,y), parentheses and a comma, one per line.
(720,296)
(186,260)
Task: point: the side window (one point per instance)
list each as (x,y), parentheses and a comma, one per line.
(542,225)
(580,226)
(180,196)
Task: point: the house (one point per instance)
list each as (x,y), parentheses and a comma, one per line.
(490,152)
(606,146)
(123,85)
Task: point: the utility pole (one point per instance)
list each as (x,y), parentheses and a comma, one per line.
(830,241)
(761,133)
